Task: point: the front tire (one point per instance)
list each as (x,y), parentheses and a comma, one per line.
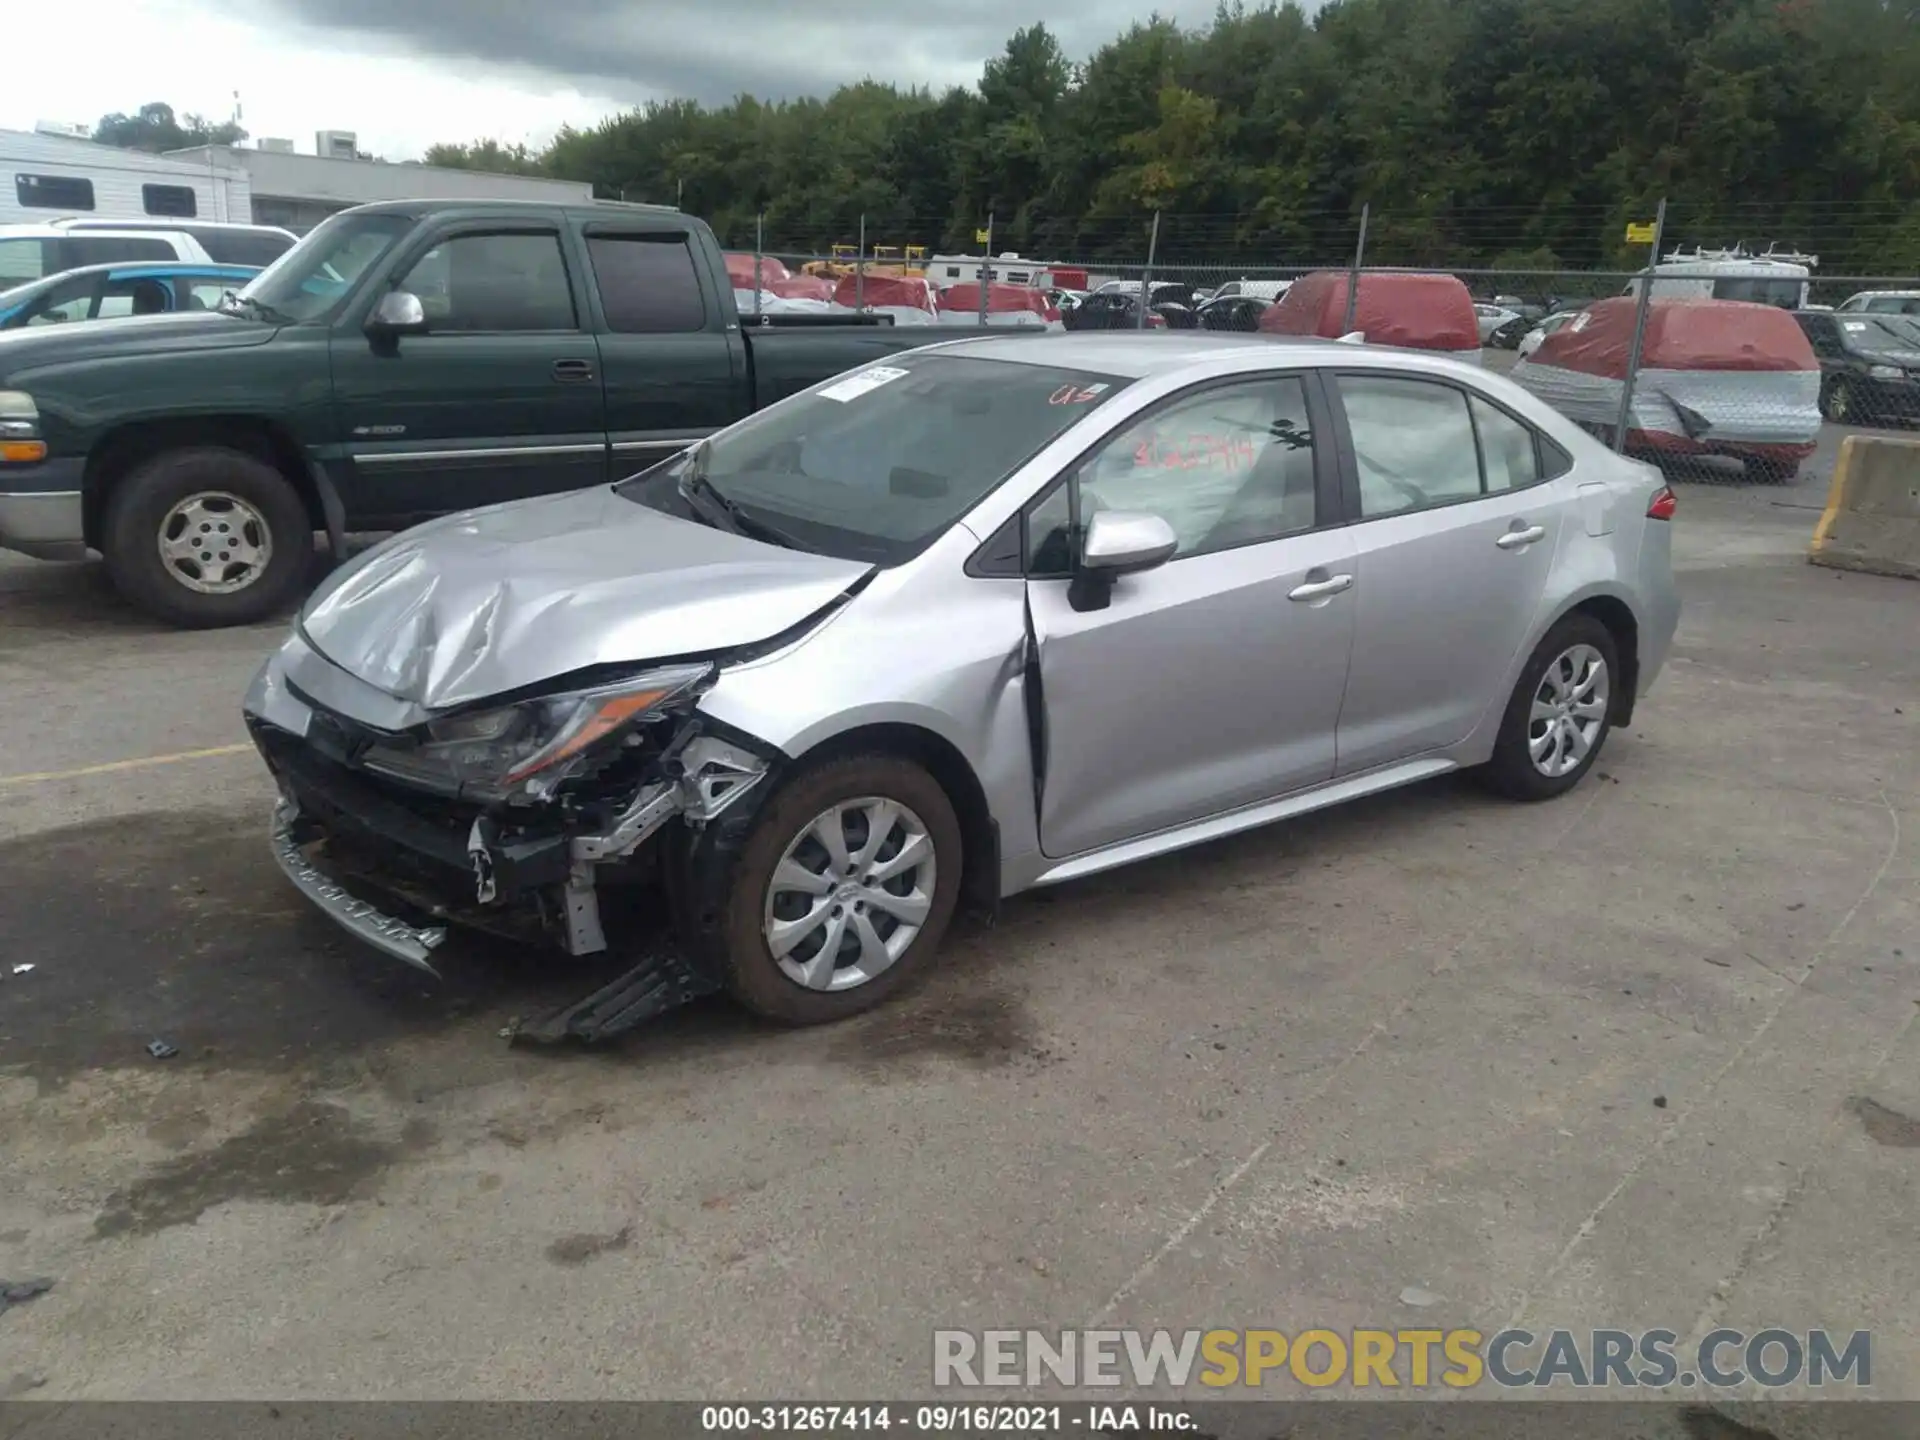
(206,537)
(1840,402)
(1559,714)
(843,890)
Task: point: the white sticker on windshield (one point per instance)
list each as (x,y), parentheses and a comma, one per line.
(854,386)
(1856,326)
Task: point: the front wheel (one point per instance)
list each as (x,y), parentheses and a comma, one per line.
(843,890)
(207,536)
(1559,714)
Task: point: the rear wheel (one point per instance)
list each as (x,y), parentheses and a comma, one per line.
(206,537)
(843,890)
(1559,714)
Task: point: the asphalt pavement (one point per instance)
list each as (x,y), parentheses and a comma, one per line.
(1644,1056)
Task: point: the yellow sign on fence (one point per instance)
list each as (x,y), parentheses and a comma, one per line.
(1639,234)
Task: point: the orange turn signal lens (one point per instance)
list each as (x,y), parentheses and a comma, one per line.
(22,452)
(612,714)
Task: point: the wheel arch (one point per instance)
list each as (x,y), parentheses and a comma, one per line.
(124,447)
(942,759)
(1614,612)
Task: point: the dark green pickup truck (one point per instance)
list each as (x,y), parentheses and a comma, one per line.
(404,360)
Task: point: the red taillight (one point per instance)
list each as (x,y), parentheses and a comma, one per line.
(1156,322)
(1664,503)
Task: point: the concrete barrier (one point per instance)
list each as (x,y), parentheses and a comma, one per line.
(1872,520)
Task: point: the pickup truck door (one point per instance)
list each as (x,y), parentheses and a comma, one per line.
(499,399)
(672,357)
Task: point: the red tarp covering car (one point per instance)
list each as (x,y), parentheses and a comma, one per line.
(909,301)
(1716,377)
(740,271)
(1006,305)
(1414,312)
(802,287)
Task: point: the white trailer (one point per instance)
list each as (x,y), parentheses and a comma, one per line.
(44,177)
(1004,269)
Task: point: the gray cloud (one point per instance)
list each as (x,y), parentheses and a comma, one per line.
(711,50)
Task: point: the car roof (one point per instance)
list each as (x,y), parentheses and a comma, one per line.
(1140,354)
(417,209)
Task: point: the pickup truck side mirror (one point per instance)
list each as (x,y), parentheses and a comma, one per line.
(397,313)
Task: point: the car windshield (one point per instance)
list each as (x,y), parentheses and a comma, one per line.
(311,279)
(878,463)
(1784,293)
(1866,332)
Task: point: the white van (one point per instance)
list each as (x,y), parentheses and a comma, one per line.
(1771,279)
(28,252)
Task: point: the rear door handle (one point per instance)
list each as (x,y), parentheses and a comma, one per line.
(1520,539)
(1320,589)
(573,370)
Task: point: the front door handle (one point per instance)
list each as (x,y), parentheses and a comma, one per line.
(1320,589)
(573,371)
(1520,539)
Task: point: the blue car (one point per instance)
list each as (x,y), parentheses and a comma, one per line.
(104,292)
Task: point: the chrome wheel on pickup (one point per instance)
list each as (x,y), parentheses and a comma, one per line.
(843,889)
(206,536)
(215,543)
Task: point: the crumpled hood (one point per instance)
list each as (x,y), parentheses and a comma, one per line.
(493,600)
(37,346)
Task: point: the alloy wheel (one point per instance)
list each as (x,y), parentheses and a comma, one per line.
(215,543)
(1569,711)
(851,892)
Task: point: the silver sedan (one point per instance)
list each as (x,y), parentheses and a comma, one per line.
(997,614)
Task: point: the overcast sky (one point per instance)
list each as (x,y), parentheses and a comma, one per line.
(405,73)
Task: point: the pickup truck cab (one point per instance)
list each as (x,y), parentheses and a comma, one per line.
(404,360)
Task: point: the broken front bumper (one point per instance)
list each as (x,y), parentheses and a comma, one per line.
(528,870)
(395,937)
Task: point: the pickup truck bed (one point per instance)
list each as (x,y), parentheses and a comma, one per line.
(405,360)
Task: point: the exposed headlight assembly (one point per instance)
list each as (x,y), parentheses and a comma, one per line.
(530,747)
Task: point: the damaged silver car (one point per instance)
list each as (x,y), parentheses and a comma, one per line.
(996,614)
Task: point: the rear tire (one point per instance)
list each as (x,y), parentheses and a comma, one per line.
(1543,752)
(840,797)
(207,537)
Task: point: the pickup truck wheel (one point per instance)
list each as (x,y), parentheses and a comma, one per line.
(842,891)
(206,537)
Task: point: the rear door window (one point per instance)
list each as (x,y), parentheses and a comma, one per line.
(1413,443)
(648,285)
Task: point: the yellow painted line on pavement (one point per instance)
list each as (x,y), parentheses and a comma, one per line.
(110,767)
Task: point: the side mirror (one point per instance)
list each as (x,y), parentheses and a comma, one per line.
(1118,542)
(398,313)
(1123,542)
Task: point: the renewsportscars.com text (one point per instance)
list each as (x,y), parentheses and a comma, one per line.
(1400,1359)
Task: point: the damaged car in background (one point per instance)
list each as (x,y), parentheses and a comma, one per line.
(993,615)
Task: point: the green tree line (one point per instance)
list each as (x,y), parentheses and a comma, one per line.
(1479,132)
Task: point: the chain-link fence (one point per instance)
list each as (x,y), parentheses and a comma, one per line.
(1734,393)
